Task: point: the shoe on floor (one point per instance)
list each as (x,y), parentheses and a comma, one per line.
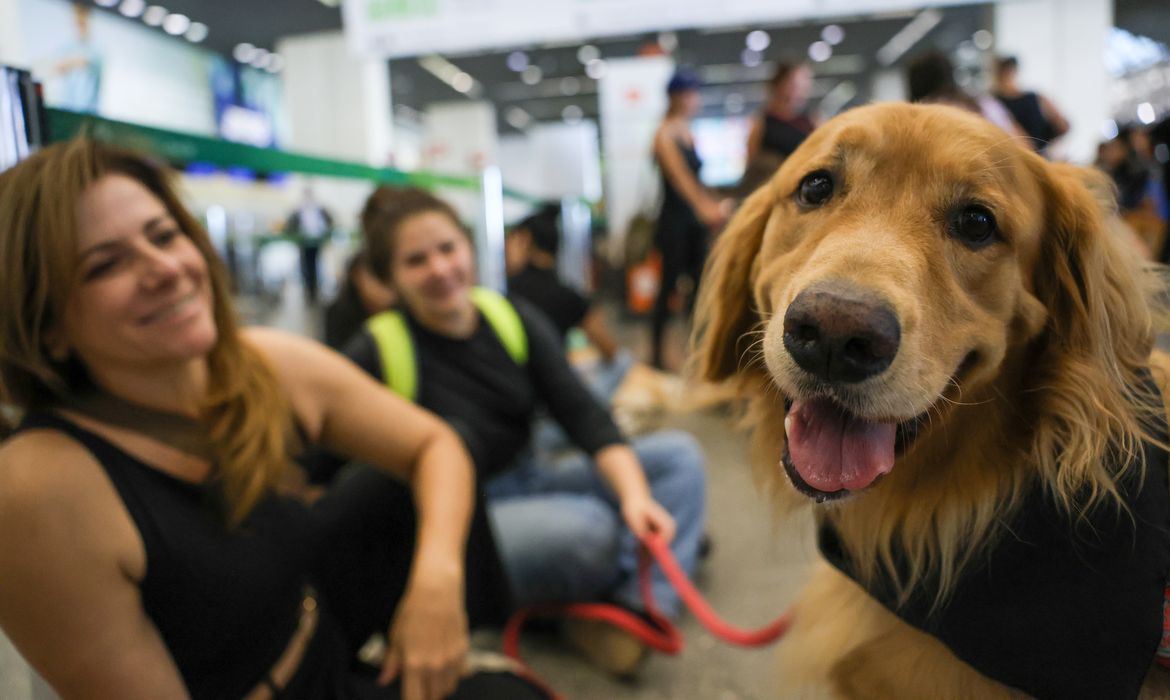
(607,647)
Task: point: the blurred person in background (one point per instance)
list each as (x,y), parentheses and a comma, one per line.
(1034,113)
(783,125)
(311,224)
(689,213)
(1129,161)
(362,295)
(565,530)
(531,248)
(930,77)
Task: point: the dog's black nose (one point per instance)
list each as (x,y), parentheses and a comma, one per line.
(841,335)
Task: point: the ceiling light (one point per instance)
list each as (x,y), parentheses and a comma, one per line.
(833,34)
(570,86)
(244,52)
(668,41)
(517,61)
(572,114)
(518,118)
(758,40)
(154,15)
(462,82)
(588,53)
(734,103)
(596,69)
(532,75)
(908,36)
(105,3)
(1145,113)
(330,3)
(132,8)
(983,39)
(176,24)
(1109,129)
(197,32)
(820,51)
(259,58)
(274,63)
(750,58)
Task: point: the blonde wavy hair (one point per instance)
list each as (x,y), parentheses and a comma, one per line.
(246,415)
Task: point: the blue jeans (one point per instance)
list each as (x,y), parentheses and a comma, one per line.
(561,536)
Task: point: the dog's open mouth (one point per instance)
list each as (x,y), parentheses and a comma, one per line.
(831,453)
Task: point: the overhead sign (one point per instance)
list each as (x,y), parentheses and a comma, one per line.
(396,28)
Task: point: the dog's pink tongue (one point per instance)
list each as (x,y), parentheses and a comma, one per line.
(832,450)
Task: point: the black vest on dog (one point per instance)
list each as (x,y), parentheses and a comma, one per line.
(1056,608)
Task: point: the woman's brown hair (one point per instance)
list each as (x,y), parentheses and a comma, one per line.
(245,413)
(385,210)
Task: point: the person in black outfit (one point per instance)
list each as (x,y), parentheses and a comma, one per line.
(785,123)
(361,296)
(566,530)
(532,247)
(689,213)
(150,538)
(1036,115)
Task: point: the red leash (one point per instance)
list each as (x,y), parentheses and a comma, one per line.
(660,633)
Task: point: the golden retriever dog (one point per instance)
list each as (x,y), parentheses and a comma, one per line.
(946,356)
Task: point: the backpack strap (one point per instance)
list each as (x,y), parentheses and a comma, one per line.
(396,345)
(502,316)
(396,348)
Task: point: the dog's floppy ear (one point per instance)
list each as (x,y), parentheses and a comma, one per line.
(1097,341)
(1088,281)
(725,313)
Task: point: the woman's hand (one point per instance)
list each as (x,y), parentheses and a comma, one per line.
(643,515)
(714,213)
(428,637)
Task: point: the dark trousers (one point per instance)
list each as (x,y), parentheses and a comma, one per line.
(684,251)
(369,524)
(309,267)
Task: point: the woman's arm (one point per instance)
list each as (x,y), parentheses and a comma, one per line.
(345,410)
(70,557)
(590,426)
(675,168)
(621,468)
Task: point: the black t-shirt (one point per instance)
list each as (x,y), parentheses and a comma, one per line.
(783,136)
(490,400)
(563,305)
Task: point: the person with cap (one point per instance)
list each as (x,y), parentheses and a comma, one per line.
(689,212)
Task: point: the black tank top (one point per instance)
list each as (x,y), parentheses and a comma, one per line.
(225,601)
(1026,110)
(783,136)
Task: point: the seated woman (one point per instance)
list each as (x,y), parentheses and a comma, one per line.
(148,544)
(565,531)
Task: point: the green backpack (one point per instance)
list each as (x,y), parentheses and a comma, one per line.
(396,346)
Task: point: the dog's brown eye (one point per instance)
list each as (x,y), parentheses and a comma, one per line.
(974,226)
(815,189)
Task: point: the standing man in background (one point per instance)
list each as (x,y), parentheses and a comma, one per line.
(1035,114)
(311,225)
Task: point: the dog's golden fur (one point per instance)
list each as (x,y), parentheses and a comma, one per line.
(1032,345)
